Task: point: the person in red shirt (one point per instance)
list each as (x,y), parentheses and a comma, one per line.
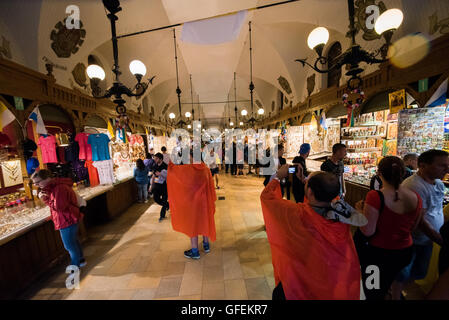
(392,216)
(57,193)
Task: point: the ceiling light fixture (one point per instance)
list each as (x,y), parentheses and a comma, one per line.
(137,68)
(385,25)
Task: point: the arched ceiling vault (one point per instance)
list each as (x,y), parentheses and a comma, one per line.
(279,37)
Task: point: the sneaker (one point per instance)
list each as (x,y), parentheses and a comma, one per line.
(206,247)
(83,263)
(146,201)
(161,218)
(191,255)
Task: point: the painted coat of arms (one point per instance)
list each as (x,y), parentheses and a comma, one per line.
(66,42)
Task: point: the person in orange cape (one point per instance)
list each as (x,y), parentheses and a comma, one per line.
(313,254)
(192,197)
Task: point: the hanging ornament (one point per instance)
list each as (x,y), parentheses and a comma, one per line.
(351,107)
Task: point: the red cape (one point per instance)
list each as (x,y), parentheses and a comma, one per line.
(191,194)
(314,258)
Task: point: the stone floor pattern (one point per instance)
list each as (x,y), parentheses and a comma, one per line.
(136,257)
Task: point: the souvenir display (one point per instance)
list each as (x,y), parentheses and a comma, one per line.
(367,144)
(12,173)
(295,137)
(136,147)
(332,134)
(420,130)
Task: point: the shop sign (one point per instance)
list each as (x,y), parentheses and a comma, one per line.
(18,101)
(423,85)
(397,101)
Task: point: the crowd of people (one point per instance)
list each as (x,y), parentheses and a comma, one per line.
(403,215)
(322,248)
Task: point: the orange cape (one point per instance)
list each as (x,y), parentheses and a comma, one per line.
(191,194)
(313,258)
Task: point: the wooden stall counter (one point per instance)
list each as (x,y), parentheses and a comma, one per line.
(355,192)
(29,252)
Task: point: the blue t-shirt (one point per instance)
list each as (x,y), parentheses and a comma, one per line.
(141,176)
(100,146)
(32,165)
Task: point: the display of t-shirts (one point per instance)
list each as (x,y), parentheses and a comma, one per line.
(105,171)
(85,148)
(72,152)
(79,171)
(48,149)
(61,154)
(93,173)
(32,165)
(100,146)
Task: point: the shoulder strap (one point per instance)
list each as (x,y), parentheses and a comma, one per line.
(382,201)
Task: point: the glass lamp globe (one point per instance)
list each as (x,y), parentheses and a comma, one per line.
(199,126)
(261,111)
(189,127)
(231,123)
(137,67)
(244,112)
(389,20)
(241,123)
(188,114)
(95,72)
(171,115)
(318,36)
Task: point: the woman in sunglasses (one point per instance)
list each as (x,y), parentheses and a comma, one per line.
(57,193)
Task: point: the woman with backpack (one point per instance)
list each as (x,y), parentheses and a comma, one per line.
(384,245)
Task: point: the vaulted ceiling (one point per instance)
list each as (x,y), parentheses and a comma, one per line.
(279,37)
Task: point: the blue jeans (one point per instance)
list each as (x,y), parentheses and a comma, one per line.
(142,191)
(71,243)
(418,267)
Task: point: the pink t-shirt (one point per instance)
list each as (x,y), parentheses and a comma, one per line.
(85,148)
(48,149)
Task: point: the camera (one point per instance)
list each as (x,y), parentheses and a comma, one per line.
(292,169)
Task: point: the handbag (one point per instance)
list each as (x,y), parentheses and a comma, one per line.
(361,241)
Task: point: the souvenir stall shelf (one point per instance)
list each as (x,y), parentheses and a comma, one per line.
(29,245)
(294,137)
(158,143)
(372,137)
(421,129)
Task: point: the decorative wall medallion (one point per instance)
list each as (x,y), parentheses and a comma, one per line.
(79,74)
(5,49)
(66,42)
(259,104)
(311,84)
(361,16)
(442,26)
(284,84)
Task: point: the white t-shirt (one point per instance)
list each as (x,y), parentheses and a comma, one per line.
(432,196)
(105,171)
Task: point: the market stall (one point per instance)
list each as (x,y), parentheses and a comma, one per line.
(29,245)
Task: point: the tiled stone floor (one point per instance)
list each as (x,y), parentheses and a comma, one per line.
(136,257)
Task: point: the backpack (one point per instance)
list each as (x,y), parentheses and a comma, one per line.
(360,240)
